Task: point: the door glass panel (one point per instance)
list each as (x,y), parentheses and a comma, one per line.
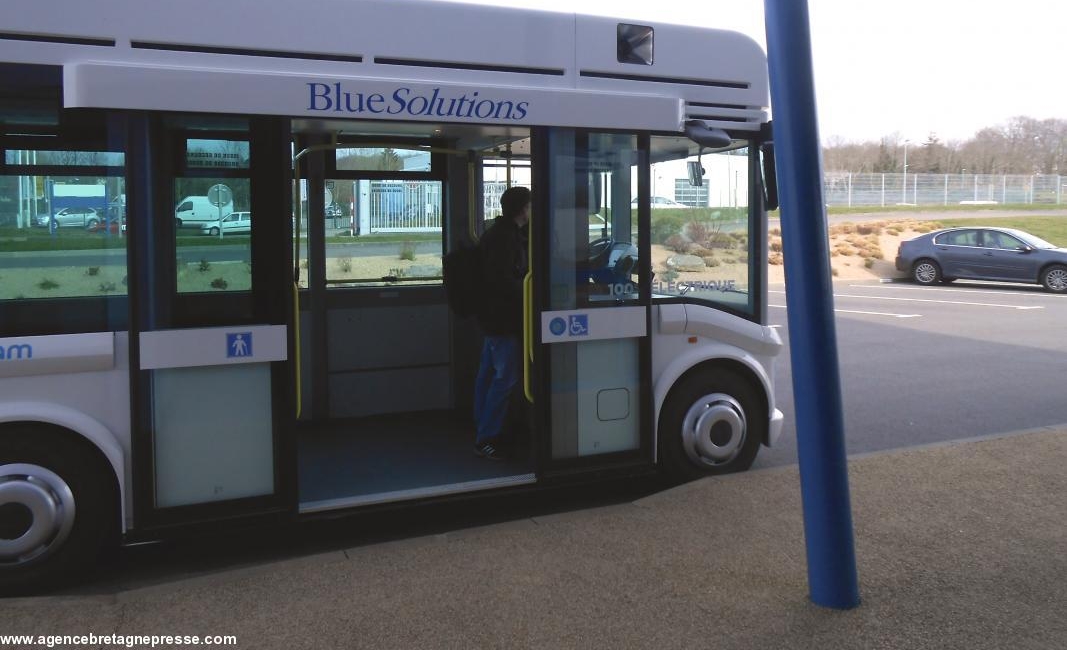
(592,271)
(594,243)
(382,232)
(701,234)
(213,234)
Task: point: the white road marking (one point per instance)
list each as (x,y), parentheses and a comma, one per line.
(943,302)
(1035,294)
(867,313)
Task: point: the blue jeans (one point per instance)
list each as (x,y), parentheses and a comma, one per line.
(497,376)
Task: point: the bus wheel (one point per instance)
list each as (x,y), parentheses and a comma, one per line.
(58,507)
(711,424)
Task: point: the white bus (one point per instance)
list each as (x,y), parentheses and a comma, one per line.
(158,381)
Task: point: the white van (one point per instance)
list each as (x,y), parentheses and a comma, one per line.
(195,211)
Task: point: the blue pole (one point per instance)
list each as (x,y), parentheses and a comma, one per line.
(832,580)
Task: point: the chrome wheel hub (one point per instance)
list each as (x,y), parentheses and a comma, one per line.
(1057,279)
(47,503)
(925,272)
(713,431)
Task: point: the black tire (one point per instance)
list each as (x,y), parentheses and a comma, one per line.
(947,280)
(91,224)
(926,271)
(1054,278)
(735,422)
(52,465)
(177,224)
(214,232)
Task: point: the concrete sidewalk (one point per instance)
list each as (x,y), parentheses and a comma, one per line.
(961,545)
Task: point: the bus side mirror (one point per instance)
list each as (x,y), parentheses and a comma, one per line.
(696,173)
(770,177)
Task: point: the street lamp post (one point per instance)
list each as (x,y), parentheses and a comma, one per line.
(904,185)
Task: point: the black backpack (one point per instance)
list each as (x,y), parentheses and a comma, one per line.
(462,269)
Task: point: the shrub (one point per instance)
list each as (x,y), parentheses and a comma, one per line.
(665,226)
(407,251)
(775,259)
(776,245)
(219,283)
(677,243)
(205,266)
(93,270)
(696,231)
(47,283)
(868,262)
(344,263)
(719,240)
(833,271)
(711,261)
(777,232)
(107,287)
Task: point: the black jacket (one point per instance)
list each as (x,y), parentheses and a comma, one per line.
(504,263)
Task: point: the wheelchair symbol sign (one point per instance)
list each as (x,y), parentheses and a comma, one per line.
(579,325)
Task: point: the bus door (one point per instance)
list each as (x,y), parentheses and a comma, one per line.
(210,300)
(588,309)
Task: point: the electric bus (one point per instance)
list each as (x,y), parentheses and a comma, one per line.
(154,381)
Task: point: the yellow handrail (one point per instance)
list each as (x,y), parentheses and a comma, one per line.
(527,321)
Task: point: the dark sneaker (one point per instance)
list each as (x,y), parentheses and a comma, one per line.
(488,450)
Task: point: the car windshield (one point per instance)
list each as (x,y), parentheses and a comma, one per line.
(1033,240)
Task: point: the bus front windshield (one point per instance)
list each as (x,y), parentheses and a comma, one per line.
(703,233)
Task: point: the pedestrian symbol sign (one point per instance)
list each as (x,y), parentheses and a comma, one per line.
(238,344)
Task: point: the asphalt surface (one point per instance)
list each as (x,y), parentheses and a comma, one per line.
(930,364)
(960,545)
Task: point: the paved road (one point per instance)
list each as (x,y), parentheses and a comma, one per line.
(929,364)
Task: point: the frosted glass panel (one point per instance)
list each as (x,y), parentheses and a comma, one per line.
(213,438)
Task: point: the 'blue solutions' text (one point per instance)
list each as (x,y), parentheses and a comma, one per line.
(405,101)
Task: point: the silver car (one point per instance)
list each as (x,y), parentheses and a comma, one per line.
(72,217)
(983,253)
(232,224)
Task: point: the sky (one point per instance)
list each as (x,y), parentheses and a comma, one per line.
(901,69)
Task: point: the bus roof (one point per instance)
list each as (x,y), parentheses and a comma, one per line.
(401,59)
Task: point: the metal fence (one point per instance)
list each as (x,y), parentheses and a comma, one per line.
(848,189)
(405,206)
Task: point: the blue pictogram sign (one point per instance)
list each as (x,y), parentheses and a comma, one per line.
(239,344)
(579,325)
(557,326)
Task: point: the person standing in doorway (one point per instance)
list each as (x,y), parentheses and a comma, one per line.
(504,263)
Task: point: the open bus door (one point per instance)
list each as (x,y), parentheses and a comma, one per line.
(209,333)
(588,307)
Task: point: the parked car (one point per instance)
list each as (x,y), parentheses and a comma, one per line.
(982,253)
(71,217)
(234,223)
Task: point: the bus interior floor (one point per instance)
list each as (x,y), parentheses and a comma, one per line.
(395,453)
